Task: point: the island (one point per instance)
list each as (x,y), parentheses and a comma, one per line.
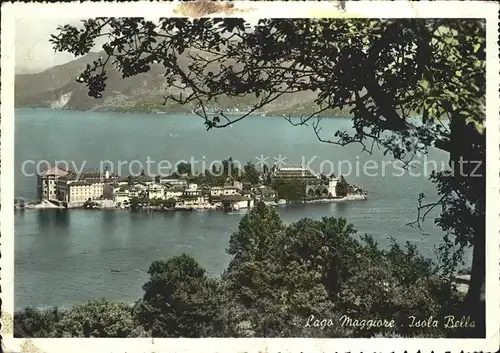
(227,188)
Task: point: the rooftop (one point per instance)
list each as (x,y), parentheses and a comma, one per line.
(224,187)
(295,172)
(80,183)
(93,177)
(176,188)
(137,178)
(236,198)
(55,171)
(155,187)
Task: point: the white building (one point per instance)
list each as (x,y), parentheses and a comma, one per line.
(138,190)
(174,192)
(74,189)
(121,195)
(193,195)
(264,193)
(173,182)
(79,191)
(155,191)
(332,187)
(47,182)
(239,202)
(295,172)
(234,183)
(224,191)
(317,186)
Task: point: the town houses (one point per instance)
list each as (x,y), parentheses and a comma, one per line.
(104,189)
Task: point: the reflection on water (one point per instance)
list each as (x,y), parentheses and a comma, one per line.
(53,219)
(108,219)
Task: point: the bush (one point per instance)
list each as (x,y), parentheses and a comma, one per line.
(35,323)
(98,318)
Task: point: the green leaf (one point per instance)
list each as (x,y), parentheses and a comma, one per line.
(424,84)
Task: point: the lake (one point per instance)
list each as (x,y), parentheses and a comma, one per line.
(66,257)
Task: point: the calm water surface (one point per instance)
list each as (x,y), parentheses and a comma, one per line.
(63,258)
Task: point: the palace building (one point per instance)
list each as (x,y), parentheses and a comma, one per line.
(316,185)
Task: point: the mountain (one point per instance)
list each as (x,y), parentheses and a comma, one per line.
(57,88)
(27,70)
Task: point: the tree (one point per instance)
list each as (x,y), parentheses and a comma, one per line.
(251,174)
(281,275)
(134,204)
(230,169)
(99,318)
(342,187)
(170,203)
(384,71)
(95,318)
(34,323)
(292,190)
(179,300)
(184,168)
(248,276)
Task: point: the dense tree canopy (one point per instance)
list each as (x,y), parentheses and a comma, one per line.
(409,84)
(179,300)
(99,318)
(95,318)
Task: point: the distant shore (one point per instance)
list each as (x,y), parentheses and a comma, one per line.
(159,111)
(205,207)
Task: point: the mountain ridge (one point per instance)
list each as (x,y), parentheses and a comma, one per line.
(57,88)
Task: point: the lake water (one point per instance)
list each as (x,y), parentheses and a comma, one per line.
(66,257)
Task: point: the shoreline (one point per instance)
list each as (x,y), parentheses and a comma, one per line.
(184,113)
(191,208)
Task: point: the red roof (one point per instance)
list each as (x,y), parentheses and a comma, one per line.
(56,171)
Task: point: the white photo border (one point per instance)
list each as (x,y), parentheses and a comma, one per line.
(254,10)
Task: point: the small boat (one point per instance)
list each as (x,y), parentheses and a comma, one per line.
(116,270)
(281,202)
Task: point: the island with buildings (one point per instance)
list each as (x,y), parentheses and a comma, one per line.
(60,188)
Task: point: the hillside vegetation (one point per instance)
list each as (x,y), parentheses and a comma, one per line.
(57,87)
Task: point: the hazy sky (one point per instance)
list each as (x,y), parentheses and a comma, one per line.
(33,50)
(32,34)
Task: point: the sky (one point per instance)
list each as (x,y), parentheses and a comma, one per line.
(33,50)
(32,34)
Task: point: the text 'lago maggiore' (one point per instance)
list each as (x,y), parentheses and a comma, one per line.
(449,321)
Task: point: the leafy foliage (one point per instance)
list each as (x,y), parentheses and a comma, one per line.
(342,187)
(95,318)
(281,275)
(250,173)
(36,323)
(293,190)
(178,300)
(98,318)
